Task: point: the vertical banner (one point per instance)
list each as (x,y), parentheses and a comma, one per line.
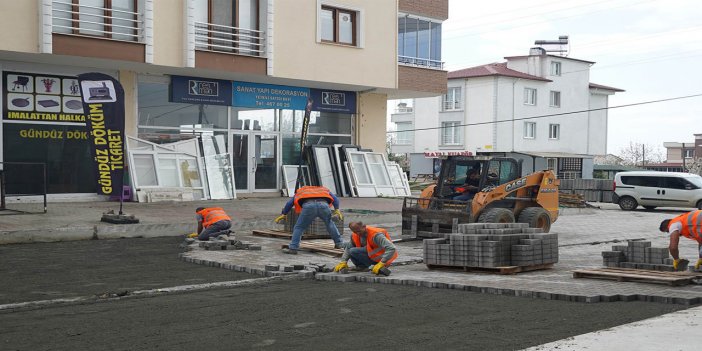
(303,140)
(103,103)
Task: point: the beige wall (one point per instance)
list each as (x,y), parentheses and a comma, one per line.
(128,79)
(19,25)
(298,55)
(371,121)
(169,36)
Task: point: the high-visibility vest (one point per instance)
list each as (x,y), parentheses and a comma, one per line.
(691,225)
(213,215)
(375,252)
(310,192)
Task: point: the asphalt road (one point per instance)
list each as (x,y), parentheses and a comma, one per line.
(303,315)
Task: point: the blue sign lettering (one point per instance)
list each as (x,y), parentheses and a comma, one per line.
(267,96)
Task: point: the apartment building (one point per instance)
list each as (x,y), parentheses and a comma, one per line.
(679,156)
(240,70)
(538,108)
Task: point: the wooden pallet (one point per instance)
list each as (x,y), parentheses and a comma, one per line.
(495,270)
(326,247)
(281,234)
(638,275)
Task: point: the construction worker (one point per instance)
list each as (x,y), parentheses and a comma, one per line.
(688,225)
(312,202)
(369,248)
(471,186)
(211,221)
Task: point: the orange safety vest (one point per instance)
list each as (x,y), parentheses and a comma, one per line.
(691,225)
(311,192)
(374,252)
(213,215)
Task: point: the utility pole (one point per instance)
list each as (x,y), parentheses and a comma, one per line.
(643,156)
(682,151)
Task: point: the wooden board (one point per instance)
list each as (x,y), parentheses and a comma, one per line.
(638,275)
(326,248)
(281,234)
(495,270)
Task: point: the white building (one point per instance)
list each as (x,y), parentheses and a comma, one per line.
(539,108)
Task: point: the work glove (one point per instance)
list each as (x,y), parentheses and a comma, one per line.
(378,266)
(341,266)
(337,214)
(675,263)
(280,219)
(698,264)
(192,235)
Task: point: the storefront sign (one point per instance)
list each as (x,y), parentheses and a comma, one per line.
(447,153)
(333,101)
(103,100)
(266,96)
(41,97)
(192,90)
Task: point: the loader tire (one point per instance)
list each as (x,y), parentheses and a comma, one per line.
(537,217)
(496,215)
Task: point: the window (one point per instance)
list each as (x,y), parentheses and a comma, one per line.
(338,25)
(114,19)
(552,164)
(529,130)
(419,42)
(226,25)
(529,96)
(555,68)
(404,136)
(689,153)
(450,133)
(555,100)
(554,131)
(651,182)
(452,99)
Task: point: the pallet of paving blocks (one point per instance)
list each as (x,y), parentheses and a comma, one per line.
(281,234)
(317,229)
(433,217)
(639,255)
(639,276)
(493,247)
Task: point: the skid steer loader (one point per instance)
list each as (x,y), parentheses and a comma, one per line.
(504,197)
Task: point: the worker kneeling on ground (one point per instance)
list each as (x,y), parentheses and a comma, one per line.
(211,221)
(369,248)
(687,225)
(312,202)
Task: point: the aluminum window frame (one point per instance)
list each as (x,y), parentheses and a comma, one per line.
(530,96)
(529,127)
(554,99)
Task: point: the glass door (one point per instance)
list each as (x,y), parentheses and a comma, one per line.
(264,170)
(240,161)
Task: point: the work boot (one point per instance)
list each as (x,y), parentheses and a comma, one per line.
(289,251)
(339,245)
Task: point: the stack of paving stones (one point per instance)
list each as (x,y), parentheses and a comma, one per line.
(639,255)
(316,228)
(224,242)
(491,245)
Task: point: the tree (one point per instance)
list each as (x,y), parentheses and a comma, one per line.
(638,154)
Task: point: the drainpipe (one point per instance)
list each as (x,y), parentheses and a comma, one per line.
(514,84)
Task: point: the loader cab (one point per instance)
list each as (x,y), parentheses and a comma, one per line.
(458,170)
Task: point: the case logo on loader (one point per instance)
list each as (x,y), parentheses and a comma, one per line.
(516,184)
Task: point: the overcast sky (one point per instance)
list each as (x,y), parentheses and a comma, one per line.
(650,48)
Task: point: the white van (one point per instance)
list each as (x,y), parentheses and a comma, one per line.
(657,189)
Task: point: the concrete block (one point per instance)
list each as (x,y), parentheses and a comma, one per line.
(272,267)
(288,268)
(255,247)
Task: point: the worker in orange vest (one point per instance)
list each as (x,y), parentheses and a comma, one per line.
(312,202)
(688,225)
(369,248)
(211,221)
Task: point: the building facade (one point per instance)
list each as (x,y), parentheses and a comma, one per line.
(265,57)
(539,108)
(679,156)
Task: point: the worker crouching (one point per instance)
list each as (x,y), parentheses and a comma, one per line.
(211,221)
(370,248)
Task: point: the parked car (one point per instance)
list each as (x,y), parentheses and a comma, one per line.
(657,189)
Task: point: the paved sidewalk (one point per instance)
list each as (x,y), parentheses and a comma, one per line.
(674,331)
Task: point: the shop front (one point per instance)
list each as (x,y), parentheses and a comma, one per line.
(44,139)
(257,125)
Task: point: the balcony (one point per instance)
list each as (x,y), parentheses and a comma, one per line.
(221,38)
(101,22)
(420,62)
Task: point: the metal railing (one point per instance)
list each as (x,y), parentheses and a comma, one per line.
(451,105)
(69,18)
(420,62)
(217,37)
